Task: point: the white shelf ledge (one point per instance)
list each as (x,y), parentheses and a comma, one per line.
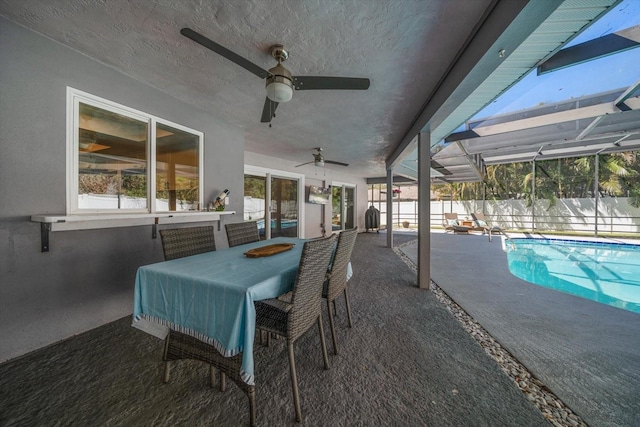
(96,221)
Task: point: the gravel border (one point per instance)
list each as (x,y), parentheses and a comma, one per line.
(552,408)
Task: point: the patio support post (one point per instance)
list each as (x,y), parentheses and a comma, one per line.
(424,210)
(389,208)
(267,208)
(596,187)
(533,198)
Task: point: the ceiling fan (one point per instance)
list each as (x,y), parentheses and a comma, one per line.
(279,81)
(320,161)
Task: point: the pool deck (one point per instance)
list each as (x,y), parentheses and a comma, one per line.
(587,353)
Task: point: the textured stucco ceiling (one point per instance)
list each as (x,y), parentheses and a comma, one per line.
(404,47)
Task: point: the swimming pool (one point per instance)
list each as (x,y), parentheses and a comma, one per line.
(608,273)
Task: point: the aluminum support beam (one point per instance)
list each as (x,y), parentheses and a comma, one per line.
(424,210)
(389,208)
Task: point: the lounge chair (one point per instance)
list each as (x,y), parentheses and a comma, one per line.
(452,224)
(481,224)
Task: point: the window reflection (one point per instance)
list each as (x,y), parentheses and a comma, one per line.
(177,170)
(112,160)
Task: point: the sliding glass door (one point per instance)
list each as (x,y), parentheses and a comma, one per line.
(273,197)
(255,190)
(284,207)
(343,206)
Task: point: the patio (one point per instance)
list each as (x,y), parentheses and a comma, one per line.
(407,361)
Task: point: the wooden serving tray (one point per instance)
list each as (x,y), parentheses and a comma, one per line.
(269,250)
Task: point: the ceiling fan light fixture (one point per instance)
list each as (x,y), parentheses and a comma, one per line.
(279,89)
(319,163)
(279,84)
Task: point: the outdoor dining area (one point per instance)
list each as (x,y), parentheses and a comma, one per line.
(212,302)
(405,360)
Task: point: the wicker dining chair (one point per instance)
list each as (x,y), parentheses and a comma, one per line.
(293,318)
(179,243)
(240,233)
(181,346)
(336,283)
(182,242)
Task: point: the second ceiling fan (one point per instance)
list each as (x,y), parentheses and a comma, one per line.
(319,160)
(279,81)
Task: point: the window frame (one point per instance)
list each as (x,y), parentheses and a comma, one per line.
(74,98)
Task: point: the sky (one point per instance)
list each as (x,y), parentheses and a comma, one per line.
(615,71)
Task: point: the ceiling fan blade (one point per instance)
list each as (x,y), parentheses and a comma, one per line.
(333,162)
(268,110)
(317,82)
(223,51)
(302,164)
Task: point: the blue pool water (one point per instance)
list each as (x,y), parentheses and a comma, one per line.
(608,273)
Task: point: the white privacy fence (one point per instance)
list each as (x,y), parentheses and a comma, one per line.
(614,215)
(115,202)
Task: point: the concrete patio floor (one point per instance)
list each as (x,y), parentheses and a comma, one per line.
(406,362)
(587,353)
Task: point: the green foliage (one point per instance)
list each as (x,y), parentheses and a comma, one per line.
(102,183)
(134,185)
(186,189)
(255,187)
(619,175)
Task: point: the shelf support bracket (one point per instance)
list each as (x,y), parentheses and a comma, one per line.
(45,228)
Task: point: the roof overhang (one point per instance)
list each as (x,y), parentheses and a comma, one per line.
(540,30)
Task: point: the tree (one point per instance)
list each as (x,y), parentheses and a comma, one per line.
(557,178)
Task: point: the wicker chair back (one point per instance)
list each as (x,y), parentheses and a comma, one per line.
(240,233)
(182,242)
(338,275)
(306,299)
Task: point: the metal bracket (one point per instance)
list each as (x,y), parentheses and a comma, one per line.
(45,228)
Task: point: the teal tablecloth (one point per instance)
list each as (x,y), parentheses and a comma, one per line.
(210,296)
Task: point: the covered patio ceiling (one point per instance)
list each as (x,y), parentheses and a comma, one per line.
(431,63)
(598,124)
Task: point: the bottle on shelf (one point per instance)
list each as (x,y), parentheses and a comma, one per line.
(220,200)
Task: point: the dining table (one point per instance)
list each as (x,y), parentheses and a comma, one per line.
(211,296)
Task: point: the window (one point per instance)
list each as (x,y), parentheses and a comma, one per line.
(273,197)
(342,206)
(123,160)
